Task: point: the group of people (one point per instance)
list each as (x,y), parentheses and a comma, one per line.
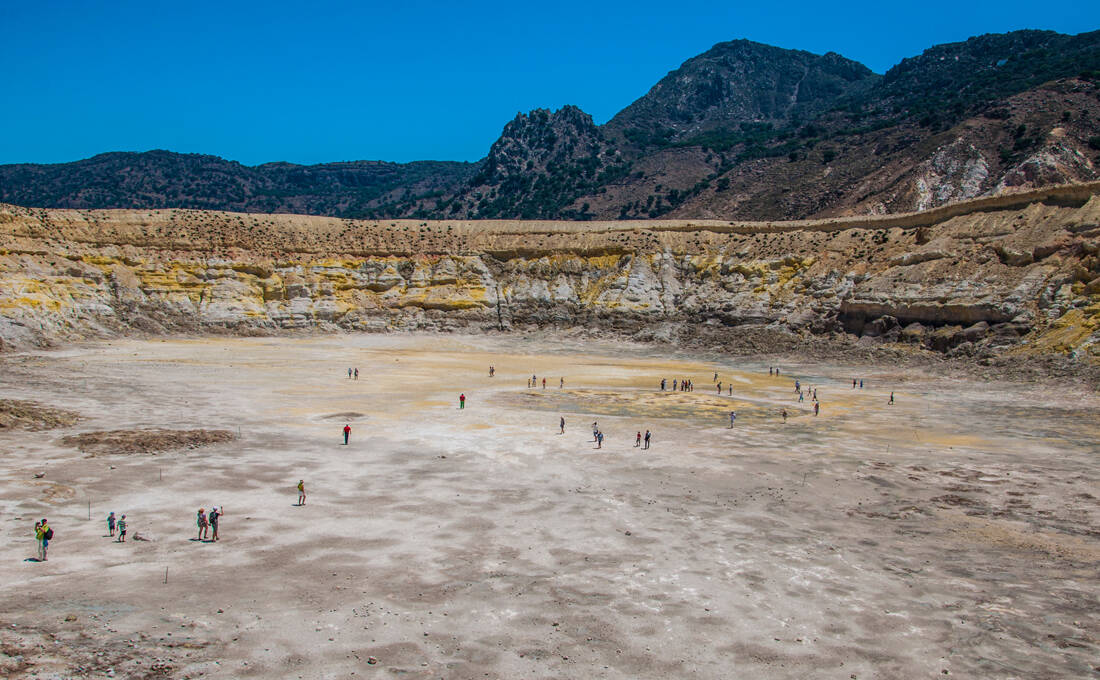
(208,523)
(682,385)
(533,381)
(119,524)
(597,436)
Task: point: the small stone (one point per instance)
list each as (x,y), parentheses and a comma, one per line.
(70,617)
(221,611)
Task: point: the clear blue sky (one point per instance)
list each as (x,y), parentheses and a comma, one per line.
(319,81)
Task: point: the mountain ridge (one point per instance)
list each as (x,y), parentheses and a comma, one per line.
(742,130)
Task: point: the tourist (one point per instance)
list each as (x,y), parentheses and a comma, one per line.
(301,492)
(349,374)
(111,524)
(715,378)
(784,415)
(492,371)
(356,373)
(215,515)
(891,398)
(663,382)
(202,523)
(674,384)
(861,383)
(800,396)
(815,394)
(638,439)
(562,424)
(599,440)
(731,389)
(528,383)
(462,401)
(769,370)
(853,383)
(797,386)
(595,430)
(647,435)
(719,389)
(733,417)
(347,433)
(561,383)
(817,407)
(122,529)
(42,535)
(544,383)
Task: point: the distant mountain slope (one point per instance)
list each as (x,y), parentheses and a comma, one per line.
(743,130)
(163,179)
(738,83)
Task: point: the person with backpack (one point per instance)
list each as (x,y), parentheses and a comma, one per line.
(301,492)
(122,529)
(646,439)
(215,514)
(43,533)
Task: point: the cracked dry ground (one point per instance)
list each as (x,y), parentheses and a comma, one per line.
(953,533)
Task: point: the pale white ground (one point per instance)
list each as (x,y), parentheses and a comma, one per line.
(955,532)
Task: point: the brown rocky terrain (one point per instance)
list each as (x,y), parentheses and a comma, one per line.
(1008,274)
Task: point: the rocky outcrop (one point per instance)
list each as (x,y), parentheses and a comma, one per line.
(1011,273)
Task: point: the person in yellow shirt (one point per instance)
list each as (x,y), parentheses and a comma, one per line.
(43,533)
(301,492)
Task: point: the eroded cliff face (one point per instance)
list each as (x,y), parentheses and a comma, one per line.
(1017,273)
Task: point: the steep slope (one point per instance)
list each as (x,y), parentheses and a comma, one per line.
(737,83)
(540,164)
(1009,274)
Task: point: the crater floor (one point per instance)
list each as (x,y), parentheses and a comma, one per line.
(955,532)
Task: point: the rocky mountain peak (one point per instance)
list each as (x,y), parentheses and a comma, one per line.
(739,82)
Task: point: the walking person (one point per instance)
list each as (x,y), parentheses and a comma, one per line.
(347,433)
(202,523)
(122,529)
(357,374)
(731,389)
(817,407)
(733,417)
(562,424)
(638,439)
(599,440)
(544,383)
(647,435)
(719,389)
(663,384)
(891,398)
(462,401)
(111,524)
(301,492)
(595,430)
(784,415)
(561,383)
(215,515)
(349,374)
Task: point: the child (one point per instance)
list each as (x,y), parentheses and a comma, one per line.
(111,523)
(122,529)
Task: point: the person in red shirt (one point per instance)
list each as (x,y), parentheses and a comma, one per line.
(347,431)
(462,401)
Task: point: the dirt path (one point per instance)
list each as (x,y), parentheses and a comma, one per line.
(956,531)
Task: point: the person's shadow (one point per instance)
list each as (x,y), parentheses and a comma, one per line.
(32,559)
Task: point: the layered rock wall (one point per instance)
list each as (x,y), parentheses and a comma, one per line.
(1011,272)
